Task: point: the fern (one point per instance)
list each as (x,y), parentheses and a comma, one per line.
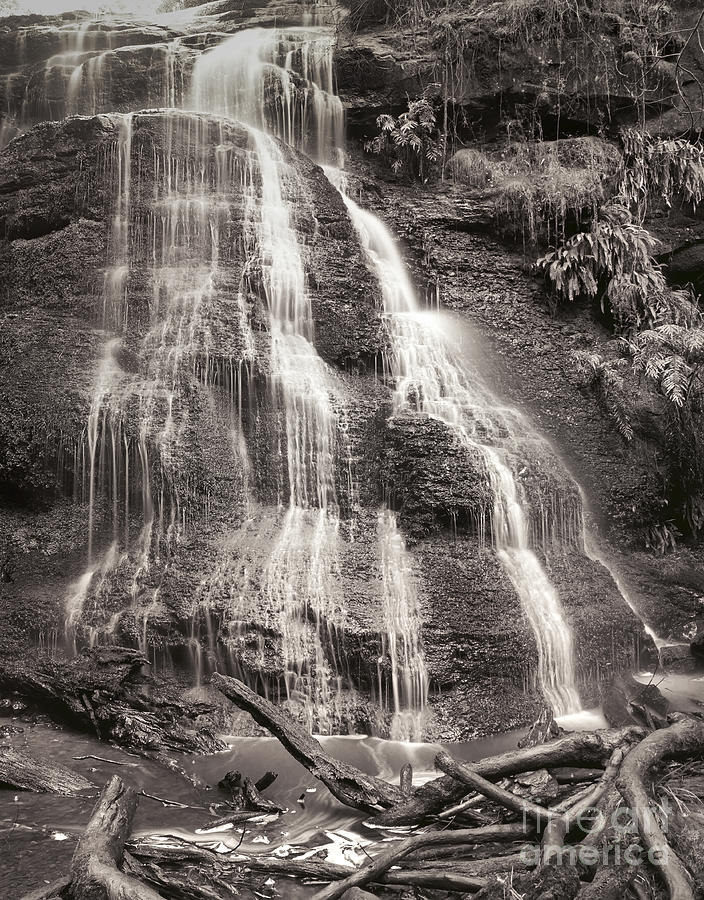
(606,379)
(611,262)
(660,169)
(412,143)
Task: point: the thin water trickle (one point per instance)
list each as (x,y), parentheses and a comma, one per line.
(401,638)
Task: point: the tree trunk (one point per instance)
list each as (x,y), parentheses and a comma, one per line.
(20,770)
(95,873)
(348,784)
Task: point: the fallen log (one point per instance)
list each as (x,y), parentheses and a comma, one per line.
(348,784)
(187,885)
(95,872)
(438,880)
(26,772)
(590,748)
(575,774)
(469,777)
(102,691)
(684,738)
(266,781)
(381,864)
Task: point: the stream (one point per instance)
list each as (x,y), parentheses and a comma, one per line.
(38,832)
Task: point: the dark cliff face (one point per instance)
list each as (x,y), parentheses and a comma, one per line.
(74,241)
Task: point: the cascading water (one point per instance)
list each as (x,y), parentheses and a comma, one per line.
(84,73)
(242,78)
(138,422)
(279,84)
(430,378)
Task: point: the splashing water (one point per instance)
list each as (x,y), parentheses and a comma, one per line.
(430,378)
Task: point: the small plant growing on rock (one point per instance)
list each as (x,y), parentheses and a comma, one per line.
(412,143)
(612,262)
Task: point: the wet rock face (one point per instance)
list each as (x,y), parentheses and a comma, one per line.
(57,206)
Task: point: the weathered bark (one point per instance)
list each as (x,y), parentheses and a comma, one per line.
(95,873)
(26,772)
(213,870)
(381,864)
(466,775)
(188,884)
(348,784)
(245,795)
(588,748)
(436,879)
(102,691)
(684,738)
(575,774)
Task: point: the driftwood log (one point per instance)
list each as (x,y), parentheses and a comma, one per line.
(24,771)
(95,872)
(682,739)
(589,748)
(103,691)
(559,827)
(348,784)
(472,779)
(381,864)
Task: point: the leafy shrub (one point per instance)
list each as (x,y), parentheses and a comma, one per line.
(412,144)
(611,262)
(605,377)
(671,357)
(660,168)
(472,167)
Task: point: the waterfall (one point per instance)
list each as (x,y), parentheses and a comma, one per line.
(242,79)
(430,378)
(173,218)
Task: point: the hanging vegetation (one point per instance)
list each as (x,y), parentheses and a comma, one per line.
(660,170)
